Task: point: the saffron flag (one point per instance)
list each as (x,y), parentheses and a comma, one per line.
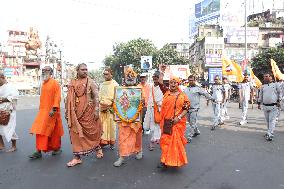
(230,68)
(276,71)
(255,80)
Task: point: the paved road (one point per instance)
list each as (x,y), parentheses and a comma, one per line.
(227,158)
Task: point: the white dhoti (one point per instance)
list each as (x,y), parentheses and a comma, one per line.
(149,124)
(10,93)
(8,131)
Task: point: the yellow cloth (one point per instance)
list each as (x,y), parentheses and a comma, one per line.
(276,71)
(256,81)
(106,96)
(231,68)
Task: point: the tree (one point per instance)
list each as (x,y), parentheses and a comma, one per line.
(97,75)
(131,52)
(261,62)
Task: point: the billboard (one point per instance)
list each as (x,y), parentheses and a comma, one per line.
(181,71)
(146,62)
(212,72)
(207,10)
(237,34)
(204,12)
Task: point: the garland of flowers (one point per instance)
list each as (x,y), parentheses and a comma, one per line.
(133,118)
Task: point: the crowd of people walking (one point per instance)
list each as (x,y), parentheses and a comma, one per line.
(169,115)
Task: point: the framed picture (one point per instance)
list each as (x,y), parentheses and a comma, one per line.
(128,104)
(146,62)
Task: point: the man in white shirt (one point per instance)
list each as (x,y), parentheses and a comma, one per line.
(245,92)
(218,95)
(227,88)
(269,97)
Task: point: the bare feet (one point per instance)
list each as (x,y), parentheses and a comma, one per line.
(74,162)
(13,149)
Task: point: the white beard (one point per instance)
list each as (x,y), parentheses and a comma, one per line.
(45,77)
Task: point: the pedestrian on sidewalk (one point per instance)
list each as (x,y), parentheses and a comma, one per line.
(8,101)
(82,115)
(245,94)
(218,94)
(47,126)
(194,92)
(269,97)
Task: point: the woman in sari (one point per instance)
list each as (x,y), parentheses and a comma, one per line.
(174,107)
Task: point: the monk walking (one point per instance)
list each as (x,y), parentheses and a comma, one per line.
(106,111)
(48,124)
(82,114)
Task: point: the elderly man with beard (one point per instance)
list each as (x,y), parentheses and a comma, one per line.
(82,114)
(48,124)
(129,133)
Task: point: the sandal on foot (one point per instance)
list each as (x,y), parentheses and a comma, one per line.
(11,150)
(74,162)
(35,155)
(99,154)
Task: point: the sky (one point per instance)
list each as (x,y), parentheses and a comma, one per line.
(88,29)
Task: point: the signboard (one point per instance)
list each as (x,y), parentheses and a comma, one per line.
(213,60)
(207,10)
(212,72)
(11,71)
(181,71)
(146,62)
(237,34)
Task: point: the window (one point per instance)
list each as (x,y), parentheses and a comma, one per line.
(209,34)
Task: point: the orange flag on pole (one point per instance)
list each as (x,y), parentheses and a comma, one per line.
(276,71)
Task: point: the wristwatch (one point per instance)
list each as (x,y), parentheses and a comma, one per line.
(179,117)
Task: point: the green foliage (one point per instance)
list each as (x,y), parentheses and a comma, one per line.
(261,62)
(131,52)
(97,75)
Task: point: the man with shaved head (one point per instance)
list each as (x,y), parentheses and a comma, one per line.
(47,126)
(8,100)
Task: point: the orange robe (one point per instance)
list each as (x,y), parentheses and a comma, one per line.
(129,138)
(173,146)
(48,130)
(82,106)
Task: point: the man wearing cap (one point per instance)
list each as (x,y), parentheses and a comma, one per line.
(194,93)
(269,97)
(145,94)
(245,92)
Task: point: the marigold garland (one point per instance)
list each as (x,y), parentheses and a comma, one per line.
(133,118)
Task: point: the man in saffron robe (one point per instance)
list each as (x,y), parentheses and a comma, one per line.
(48,124)
(82,114)
(129,133)
(175,106)
(106,96)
